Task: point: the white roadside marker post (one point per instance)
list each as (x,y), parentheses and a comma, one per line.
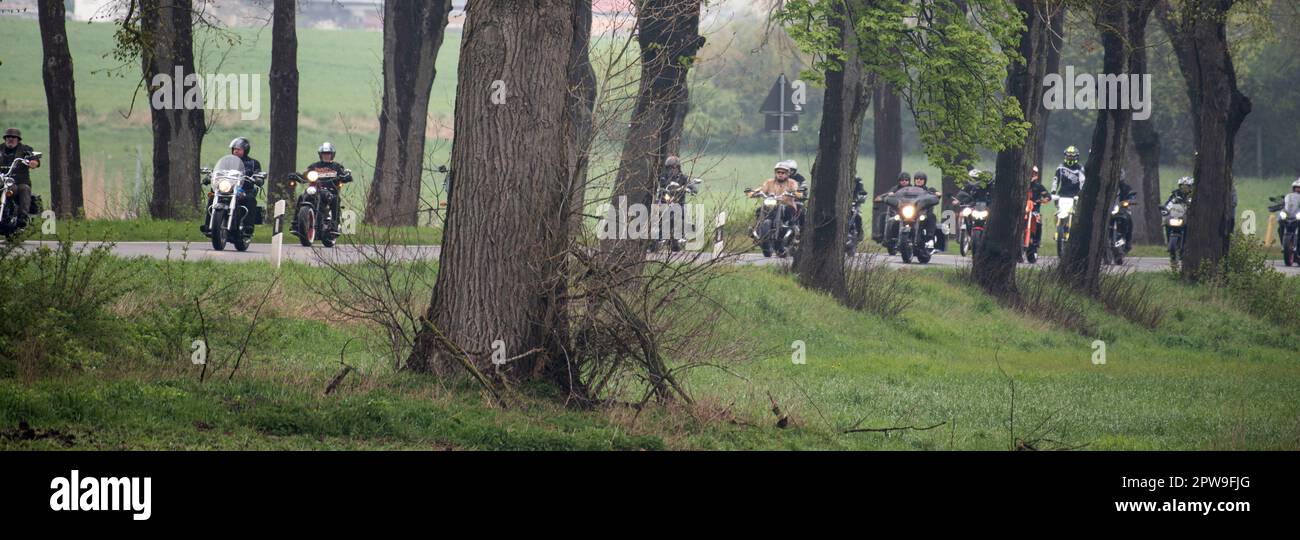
(277,233)
(718,242)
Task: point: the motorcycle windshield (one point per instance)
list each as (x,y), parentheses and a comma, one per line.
(1291,204)
(919,197)
(229,163)
(1177,211)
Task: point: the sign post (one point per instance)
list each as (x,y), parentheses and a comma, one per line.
(783,104)
(277,233)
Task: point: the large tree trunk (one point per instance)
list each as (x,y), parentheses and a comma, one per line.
(1119,23)
(61,101)
(1143,164)
(887,140)
(412,35)
(177,130)
(1055,40)
(668,35)
(1218,108)
(995,264)
(579,109)
(821,263)
(284,100)
(504,239)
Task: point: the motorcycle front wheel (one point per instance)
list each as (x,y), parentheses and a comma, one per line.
(306,226)
(1175,247)
(1288,250)
(219,232)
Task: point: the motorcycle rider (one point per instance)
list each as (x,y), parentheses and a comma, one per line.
(1038,194)
(920,179)
(1295,188)
(12,149)
(1068,181)
(1182,194)
(326,155)
(794,173)
(778,186)
(882,217)
(673,173)
(240,147)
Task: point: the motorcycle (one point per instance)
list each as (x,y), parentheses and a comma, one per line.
(1033,229)
(1175,229)
(9,211)
(909,234)
(671,200)
(1119,243)
(314,216)
(1288,225)
(972,218)
(229,217)
(855,226)
(1064,220)
(775,231)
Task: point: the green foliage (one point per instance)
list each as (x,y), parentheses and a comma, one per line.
(1247,277)
(948,66)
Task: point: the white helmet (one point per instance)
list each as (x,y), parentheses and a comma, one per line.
(1296,184)
(326,148)
(974,174)
(784,165)
(794,167)
(1185,181)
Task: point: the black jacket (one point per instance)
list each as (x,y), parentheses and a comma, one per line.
(333,166)
(1068,181)
(22,175)
(1179,197)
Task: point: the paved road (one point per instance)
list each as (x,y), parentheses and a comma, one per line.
(343,253)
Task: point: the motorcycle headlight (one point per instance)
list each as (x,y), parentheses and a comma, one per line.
(1114,210)
(1281,215)
(668,198)
(981,214)
(909,211)
(769,202)
(312,176)
(225,186)
(1175,222)
(1125,204)
(965,212)
(311,190)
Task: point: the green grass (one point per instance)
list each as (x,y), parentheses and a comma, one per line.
(1211,377)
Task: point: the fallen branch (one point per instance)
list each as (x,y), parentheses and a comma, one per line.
(334,383)
(888,429)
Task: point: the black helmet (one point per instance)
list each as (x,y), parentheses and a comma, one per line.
(920,175)
(904,177)
(241,142)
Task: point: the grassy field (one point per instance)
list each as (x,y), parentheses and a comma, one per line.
(1210,377)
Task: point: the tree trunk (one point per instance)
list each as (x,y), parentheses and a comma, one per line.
(1143,170)
(178,128)
(887,139)
(61,100)
(579,108)
(1119,23)
(995,264)
(500,264)
(1055,41)
(412,35)
(668,35)
(284,100)
(1218,108)
(821,264)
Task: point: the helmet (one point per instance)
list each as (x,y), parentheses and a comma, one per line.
(13,132)
(241,142)
(781,166)
(1295,184)
(974,174)
(326,148)
(920,176)
(904,177)
(794,167)
(1187,181)
(1071,156)
(673,161)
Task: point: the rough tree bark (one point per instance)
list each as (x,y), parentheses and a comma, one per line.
(848,90)
(887,140)
(1218,108)
(1143,165)
(500,264)
(64,154)
(579,108)
(1055,40)
(413,33)
(284,100)
(177,130)
(668,35)
(995,264)
(1119,23)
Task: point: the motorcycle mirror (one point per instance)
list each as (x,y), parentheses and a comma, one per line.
(259,180)
(34,155)
(697,180)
